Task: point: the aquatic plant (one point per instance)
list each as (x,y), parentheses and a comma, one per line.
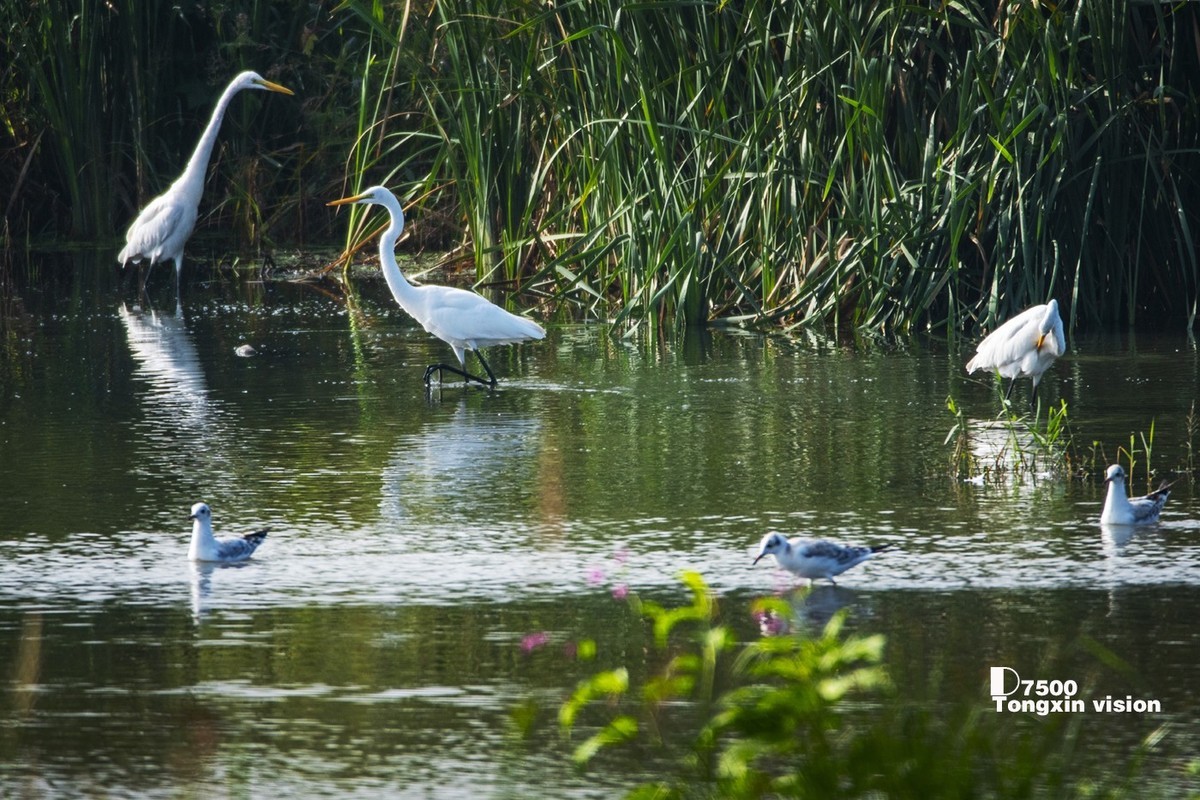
(1016,446)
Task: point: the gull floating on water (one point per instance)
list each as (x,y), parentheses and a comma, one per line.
(814,559)
(206,547)
(1122,510)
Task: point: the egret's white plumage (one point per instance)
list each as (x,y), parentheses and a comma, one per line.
(1025,346)
(1120,509)
(814,559)
(163,227)
(459,317)
(207,547)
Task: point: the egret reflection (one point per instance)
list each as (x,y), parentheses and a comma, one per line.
(467,467)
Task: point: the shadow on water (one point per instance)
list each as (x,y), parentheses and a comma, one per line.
(374,641)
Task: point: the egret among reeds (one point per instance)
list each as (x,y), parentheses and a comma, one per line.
(1023,347)
(162,229)
(459,317)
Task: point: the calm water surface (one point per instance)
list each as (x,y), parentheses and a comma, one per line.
(373,646)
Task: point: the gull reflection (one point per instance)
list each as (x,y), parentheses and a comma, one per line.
(1113,538)
(822,602)
(201,573)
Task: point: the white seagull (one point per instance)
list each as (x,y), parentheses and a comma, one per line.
(163,227)
(1120,509)
(814,559)
(206,547)
(1025,346)
(459,317)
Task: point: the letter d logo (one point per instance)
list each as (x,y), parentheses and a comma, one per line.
(998,681)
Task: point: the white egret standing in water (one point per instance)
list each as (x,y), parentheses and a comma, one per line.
(207,547)
(1025,346)
(459,317)
(162,229)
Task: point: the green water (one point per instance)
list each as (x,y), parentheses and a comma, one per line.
(373,645)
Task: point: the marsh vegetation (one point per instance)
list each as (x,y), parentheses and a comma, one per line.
(880,167)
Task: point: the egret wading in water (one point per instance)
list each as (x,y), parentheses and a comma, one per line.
(162,229)
(459,317)
(1119,509)
(814,559)
(206,547)
(1023,347)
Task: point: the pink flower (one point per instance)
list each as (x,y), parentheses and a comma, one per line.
(532,641)
(620,591)
(770,623)
(595,576)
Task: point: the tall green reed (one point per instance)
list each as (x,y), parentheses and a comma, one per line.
(881,166)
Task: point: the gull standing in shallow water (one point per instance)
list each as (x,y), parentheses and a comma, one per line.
(206,547)
(1025,346)
(814,559)
(1120,509)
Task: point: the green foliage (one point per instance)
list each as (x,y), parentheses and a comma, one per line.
(811,716)
(797,715)
(880,166)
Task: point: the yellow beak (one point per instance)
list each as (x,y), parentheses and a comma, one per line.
(346,200)
(274,87)
(1040,339)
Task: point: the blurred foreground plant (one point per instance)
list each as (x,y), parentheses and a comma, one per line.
(798,715)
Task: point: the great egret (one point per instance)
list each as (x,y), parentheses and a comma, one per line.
(206,547)
(814,559)
(459,317)
(1025,346)
(162,229)
(1122,510)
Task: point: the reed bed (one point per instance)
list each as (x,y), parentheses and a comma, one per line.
(875,166)
(881,167)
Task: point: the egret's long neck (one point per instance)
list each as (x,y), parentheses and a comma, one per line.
(193,173)
(404,292)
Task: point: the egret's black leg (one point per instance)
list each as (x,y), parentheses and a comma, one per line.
(487,369)
(466,376)
(1012,383)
